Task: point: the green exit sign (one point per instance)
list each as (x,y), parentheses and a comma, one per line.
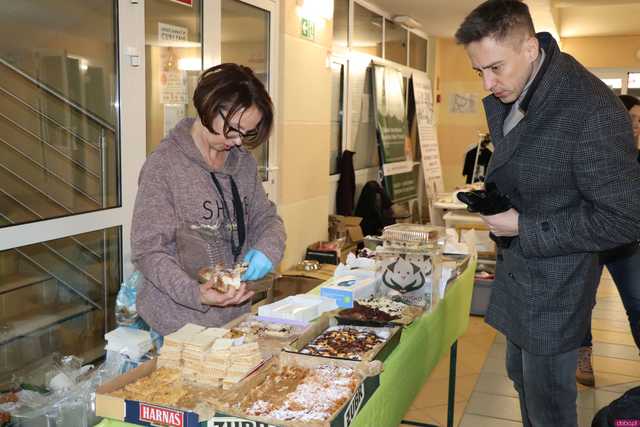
(307,29)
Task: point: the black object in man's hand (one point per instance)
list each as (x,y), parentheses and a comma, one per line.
(488,202)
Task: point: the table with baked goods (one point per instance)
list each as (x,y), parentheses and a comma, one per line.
(422,344)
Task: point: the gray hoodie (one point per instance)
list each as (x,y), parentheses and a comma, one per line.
(176,192)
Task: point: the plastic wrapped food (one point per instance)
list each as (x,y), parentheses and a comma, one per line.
(410,263)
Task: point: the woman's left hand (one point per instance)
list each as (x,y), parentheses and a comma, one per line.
(259,265)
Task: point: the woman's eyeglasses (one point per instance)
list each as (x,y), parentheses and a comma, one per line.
(233,132)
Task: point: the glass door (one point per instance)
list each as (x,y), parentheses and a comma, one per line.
(64,189)
(182,39)
(173,59)
(248,36)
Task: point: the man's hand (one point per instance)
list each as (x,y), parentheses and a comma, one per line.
(233,296)
(504,224)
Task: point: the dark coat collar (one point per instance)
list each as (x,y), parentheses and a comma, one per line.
(546,81)
(551,50)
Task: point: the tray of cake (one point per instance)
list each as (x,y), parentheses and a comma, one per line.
(294,391)
(326,338)
(149,395)
(272,335)
(194,365)
(378,311)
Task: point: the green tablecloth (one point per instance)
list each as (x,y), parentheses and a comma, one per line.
(421,347)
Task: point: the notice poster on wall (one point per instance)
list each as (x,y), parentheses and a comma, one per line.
(173,113)
(391,128)
(431,166)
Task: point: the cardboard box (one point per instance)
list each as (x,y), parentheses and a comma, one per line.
(345,226)
(342,417)
(379,352)
(329,256)
(346,289)
(136,412)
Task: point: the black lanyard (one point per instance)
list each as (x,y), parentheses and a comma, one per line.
(238,224)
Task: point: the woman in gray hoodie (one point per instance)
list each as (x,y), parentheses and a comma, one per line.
(201,203)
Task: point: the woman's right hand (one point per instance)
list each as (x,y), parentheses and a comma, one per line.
(210,296)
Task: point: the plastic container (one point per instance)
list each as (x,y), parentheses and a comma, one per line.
(413,236)
(410,263)
(304,308)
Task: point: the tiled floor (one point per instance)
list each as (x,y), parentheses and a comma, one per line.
(485,396)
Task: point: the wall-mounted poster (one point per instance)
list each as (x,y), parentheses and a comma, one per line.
(432,169)
(173,113)
(463,103)
(400,180)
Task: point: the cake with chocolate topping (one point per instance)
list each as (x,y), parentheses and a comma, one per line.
(365,313)
(343,342)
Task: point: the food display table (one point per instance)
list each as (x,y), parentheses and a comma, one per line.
(422,345)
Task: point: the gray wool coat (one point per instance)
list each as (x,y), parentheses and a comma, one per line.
(176,192)
(570,170)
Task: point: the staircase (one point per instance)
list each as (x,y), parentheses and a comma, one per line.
(57,159)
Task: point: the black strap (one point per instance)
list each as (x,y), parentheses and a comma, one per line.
(238,224)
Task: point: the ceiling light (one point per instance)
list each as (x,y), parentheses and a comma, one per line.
(314,9)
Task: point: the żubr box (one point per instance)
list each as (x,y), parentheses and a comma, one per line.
(304,379)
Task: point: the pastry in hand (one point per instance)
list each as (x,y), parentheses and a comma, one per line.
(222,278)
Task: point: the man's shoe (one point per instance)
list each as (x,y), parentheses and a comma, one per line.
(584,371)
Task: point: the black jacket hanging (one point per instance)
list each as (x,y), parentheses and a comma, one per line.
(346,184)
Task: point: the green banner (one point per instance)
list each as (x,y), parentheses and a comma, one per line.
(403,186)
(400,177)
(391,120)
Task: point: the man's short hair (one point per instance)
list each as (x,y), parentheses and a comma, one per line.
(496,19)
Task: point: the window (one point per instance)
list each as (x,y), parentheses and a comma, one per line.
(395,42)
(52,298)
(337,114)
(614,84)
(173,64)
(620,81)
(633,86)
(367,31)
(418,52)
(59,142)
(341,25)
(245,40)
(363,124)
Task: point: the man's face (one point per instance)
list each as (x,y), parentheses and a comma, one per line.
(504,65)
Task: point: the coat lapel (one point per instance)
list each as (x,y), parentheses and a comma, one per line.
(505,147)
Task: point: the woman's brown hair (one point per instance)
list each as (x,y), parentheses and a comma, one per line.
(232,88)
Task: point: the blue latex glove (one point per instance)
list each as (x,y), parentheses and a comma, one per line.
(259,265)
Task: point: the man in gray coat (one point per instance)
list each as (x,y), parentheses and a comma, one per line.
(565,158)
